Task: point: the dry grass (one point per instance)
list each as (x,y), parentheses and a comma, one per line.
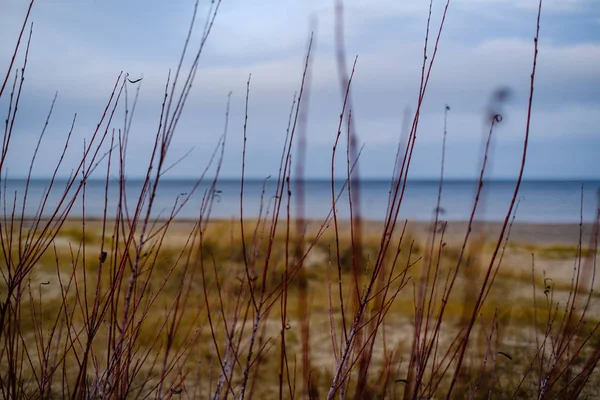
(509,303)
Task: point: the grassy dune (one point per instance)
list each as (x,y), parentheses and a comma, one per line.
(209,278)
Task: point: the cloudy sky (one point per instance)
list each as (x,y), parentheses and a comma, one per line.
(79,48)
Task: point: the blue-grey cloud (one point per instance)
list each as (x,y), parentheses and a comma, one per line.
(79,48)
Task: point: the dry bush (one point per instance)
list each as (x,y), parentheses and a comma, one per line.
(128,306)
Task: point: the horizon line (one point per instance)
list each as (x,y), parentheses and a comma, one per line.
(326,179)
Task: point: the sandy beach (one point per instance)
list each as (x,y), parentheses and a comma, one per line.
(535,234)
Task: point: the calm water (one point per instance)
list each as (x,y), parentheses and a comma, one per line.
(541,201)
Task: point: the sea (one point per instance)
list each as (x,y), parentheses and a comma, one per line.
(539,201)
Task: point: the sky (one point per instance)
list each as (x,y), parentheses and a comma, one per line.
(79,47)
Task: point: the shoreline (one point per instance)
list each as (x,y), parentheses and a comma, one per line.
(546,234)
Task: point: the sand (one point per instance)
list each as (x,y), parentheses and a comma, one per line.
(550,234)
